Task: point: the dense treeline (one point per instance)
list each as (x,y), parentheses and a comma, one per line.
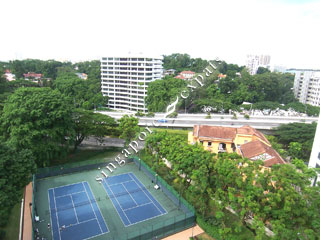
(161,92)
(280,199)
(264,90)
(181,62)
(57,75)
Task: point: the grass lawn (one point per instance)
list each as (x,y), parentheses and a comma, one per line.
(12,228)
(183,133)
(87,154)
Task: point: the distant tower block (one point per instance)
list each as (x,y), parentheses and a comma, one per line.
(314,161)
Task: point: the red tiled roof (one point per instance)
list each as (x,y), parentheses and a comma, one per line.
(257,148)
(187,72)
(214,132)
(32,74)
(180,77)
(247,130)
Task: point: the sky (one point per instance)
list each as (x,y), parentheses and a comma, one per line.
(77,30)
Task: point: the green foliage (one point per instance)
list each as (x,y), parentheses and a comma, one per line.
(128,127)
(246,116)
(212,230)
(139,114)
(16,167)
(266,105)
(300,133)
(161,92)
(281,198)
(208,115)
(82,93)
(150,114)
(38,119)
(234,116)
(48,68)
(181,62)
(304,108)
(88,124)
(262,70)
(173,115)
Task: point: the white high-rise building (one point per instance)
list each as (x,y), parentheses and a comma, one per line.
(256,61)
(125,79)
(307,86)
(314,161)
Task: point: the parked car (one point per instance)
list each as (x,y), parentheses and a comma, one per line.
(162,120)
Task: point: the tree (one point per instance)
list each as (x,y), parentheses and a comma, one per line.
(88,124)
(16,167)
(300,133)
(83,94)
(161,92)
(39,119)
(262,70)
(128,127)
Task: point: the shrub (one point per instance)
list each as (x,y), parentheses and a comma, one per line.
(139,114)
(150,114)
(211,230)
(234,116)
(208,116)
(173,115)
(246,116)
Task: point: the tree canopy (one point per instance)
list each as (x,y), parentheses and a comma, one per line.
(161,92)
(16,167)
(128,127)
(279,198)
(39,119)
(88,124)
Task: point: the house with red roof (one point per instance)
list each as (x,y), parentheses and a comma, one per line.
(246,141)
(187,75)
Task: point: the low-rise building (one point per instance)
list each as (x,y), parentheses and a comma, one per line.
(246,141)
(9,76)
(32,76)
(169,72)
(186,75)
(82,76)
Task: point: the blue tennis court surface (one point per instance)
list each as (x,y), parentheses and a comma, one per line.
(75,213)
(133,202)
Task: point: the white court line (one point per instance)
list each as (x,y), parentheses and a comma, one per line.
(129,194)
(138,206)
(119,206)
(92,208)
(55,204)
(81,222)
(66,185)
(99,211)
(146,194)
(74,208)
(69,194)
(118,183)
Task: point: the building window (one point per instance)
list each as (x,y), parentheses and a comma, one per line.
(209,144)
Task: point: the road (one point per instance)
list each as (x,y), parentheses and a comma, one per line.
(189,120)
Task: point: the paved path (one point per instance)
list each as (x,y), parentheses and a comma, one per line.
(27,224)
(186,234)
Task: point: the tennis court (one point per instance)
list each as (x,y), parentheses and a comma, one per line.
(132,200)
(75,213)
